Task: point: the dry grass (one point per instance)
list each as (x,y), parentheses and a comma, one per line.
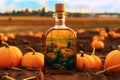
(93,22)
(46,22)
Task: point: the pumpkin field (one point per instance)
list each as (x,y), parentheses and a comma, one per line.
(96,38)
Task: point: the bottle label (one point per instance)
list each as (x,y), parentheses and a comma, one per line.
(60,50)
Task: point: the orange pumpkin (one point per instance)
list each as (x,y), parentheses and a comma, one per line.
(30,33)
(33,59)
(95,37)
(103,33)
(98,37)
(10,35)
(4,38)
(98,44)
(1,34)
(84,61)
(81,31)
(113,58)
(38,35)
(111,33)
(98,62)
(10,56)
(116,35)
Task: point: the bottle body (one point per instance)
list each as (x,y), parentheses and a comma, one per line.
(60,44)
(60,49)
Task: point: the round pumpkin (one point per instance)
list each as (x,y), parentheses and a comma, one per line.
(98,37)
(103,33)
(113,58)
(30,33)
(10,56)
(84,61)
(98,44)
(95,37)
(4,38)
(98,62)
(10,35)
(1,34)
(38,35)
(33,59)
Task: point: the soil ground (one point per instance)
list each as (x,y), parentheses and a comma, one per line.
(83,43)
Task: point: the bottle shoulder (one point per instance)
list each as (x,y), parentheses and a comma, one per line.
(60,29)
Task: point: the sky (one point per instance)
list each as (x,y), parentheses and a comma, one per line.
(71,5)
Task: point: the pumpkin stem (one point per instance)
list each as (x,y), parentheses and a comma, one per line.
(29,48)
(93,52)
(82,53)
(5,44)
(107,69)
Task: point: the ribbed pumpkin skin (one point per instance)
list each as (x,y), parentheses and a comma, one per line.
(10,56)
(98,62)
(82,62)
(86,61)
(31,60)
(113,58)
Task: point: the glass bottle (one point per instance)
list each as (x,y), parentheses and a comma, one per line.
(60,43)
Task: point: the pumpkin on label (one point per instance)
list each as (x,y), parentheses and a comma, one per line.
(50,58)
(66,52)
(10,56)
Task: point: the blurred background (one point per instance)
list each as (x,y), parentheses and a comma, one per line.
(25,15)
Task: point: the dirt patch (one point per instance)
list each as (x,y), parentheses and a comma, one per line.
(83,43)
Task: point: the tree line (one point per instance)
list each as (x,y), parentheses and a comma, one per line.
(42,12)
(26,12)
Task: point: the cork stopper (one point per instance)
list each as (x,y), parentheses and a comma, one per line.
(60,8)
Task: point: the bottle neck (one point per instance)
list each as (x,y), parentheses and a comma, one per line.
(60,20)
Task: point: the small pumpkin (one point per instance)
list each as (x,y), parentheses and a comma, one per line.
(98,37)
(1,34)
(38,35)
(33,59)
(95,37)
(98,44)
(10,56)
(30,33)
(116,35)
(4,38)
(98,62)
(84,61)
(103,33)
(81,31)
(111,33)
(10,35)
(113,58)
